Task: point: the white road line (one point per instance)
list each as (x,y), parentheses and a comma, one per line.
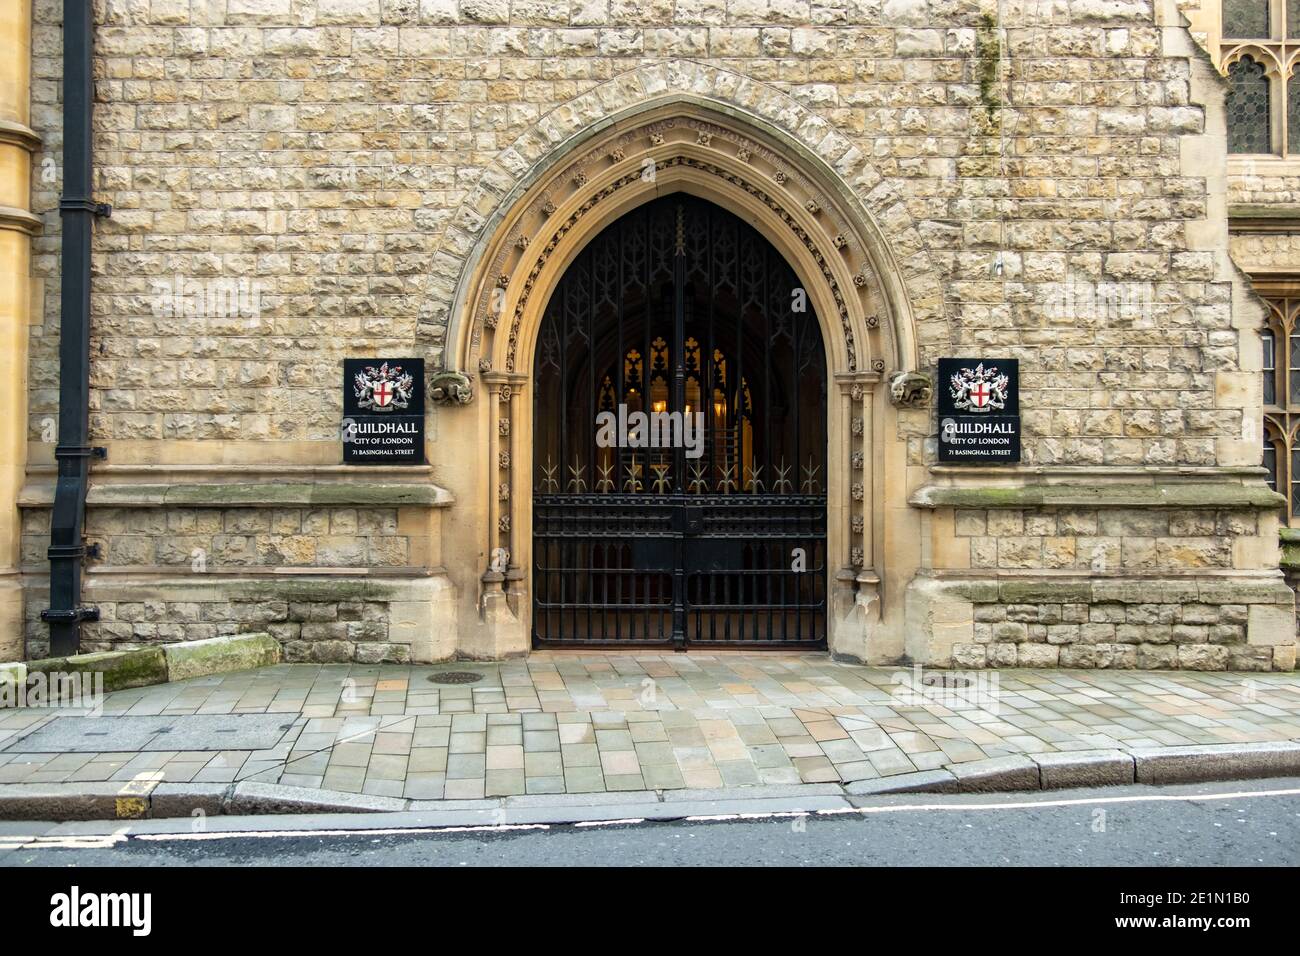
(120,836)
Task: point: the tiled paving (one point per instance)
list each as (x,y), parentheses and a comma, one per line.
(558,723)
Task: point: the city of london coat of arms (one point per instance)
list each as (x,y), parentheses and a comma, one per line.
(979,389)
(383,389)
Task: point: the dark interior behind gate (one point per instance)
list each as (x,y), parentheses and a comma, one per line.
(651,532)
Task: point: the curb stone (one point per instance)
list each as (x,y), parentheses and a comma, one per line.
(1216,762)
(1015,773)
(996,774)
(923,781)
(1084,768)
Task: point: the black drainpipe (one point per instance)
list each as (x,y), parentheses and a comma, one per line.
(73,452)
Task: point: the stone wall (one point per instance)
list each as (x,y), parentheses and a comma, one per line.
(320,152)
(223,538)
(297,181)
(1151,624)
(316,619)
(1081,539)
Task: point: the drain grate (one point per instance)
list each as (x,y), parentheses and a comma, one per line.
(455,677)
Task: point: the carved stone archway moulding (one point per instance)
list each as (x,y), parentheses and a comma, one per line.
(689,153)
(812,218)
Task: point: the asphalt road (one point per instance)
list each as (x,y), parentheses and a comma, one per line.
(1240,824)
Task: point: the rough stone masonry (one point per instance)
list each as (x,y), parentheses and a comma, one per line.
(298,181)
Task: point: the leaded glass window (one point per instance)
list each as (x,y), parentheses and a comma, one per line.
(1281,371)
(1293,115)
(1257,47)
(1270,368)
(1246,19)
(1248,112)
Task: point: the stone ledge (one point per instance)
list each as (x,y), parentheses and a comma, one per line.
(145,666)
(1290,541)
(218,655)
(314,494)
(1088,590)
(1221,494)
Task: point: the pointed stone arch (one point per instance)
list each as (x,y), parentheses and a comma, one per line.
(795,157)
(686,127)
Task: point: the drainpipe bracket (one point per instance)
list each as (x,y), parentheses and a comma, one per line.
(81,451)
(71,616)
(85,204)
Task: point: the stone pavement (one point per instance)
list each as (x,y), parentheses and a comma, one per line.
(591,722)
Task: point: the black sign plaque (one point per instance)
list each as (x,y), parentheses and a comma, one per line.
(979,411)
(383,411)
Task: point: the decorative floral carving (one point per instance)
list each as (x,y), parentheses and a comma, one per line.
(548,208)
(841,241)
(857,557)
(860,280)
(503,491)
(858,461)
(503,460)
(703,138)
(579,178)
(485,364)
(503,280)
(503,523)
(779,178)
(616,155)
(608,190)
(521,242)
(858,491)
(857,391)
(656,139)
(503,427)
(857,427)
(813,206)
(859,523)
(878,365)
(744,155)
(505,393)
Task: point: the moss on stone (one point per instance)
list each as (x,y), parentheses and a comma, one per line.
(315,589)
(270,494)
(1221,494)
(122,670)
(988,52)
(1045,592)
(220,655)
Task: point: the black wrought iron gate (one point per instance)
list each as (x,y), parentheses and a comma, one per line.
(679,441)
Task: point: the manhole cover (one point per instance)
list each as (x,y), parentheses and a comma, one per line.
(945,680)
(456,677)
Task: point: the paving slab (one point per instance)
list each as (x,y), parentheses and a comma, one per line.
(722,727)
(156,733)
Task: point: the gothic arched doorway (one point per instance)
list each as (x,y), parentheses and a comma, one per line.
(679,441)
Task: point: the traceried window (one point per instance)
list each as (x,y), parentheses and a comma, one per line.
(1248,114)
(1281,371)
(1258,50)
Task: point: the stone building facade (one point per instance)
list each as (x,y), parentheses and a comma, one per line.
(296,182)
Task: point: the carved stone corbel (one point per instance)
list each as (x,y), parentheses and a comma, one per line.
(910,389)
(451,388)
